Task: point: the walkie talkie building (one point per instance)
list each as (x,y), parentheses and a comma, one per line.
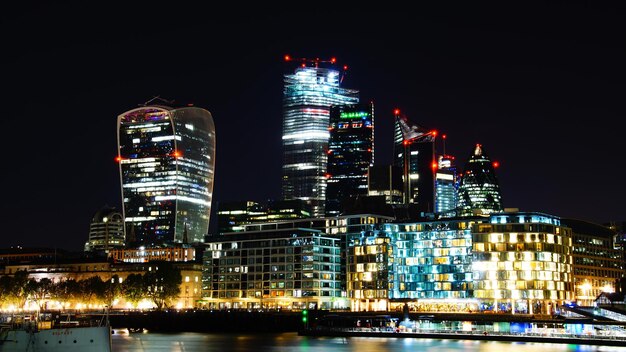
(167,161)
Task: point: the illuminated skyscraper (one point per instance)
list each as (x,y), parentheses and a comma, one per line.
(167,161)
(414,152)
(446,187)
(350,153)
(479,192)
(308,94)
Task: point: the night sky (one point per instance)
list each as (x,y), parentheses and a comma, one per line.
(541,88)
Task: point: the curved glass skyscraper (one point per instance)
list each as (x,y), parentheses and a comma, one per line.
(167,161)
(479,192)
(309,93)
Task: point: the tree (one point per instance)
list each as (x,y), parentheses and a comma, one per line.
(66,291)
(163,284)
(134,289)
(91,288)
(6,290)
(38,291)
(18,291)
(113,290)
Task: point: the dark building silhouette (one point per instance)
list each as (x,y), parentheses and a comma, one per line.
(414,153)
(350,153)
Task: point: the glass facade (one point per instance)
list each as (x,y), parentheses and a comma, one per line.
(479,192)
(414,153)
(167,160)
(309,92)
(433,260)
(522,262)
(290,268)
(446,183)
(512,262)
(350,153)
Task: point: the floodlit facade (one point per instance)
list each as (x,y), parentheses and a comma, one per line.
(308,94)
(479,191)
(522,262)
(510,262)
(350,154)
(106,231)
(167,162)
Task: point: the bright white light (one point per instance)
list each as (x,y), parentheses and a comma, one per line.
(308,135)
(183,198)
(136,140)
(189,126)
(165,138)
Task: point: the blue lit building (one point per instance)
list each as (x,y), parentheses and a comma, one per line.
(350,154)
(166,162)
(513,262)
(446,183)
(309,92)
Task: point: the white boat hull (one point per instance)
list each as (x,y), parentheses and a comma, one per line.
(84,339)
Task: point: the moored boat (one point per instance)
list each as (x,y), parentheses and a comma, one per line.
(66,336)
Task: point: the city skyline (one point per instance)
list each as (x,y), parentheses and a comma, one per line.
(518,87)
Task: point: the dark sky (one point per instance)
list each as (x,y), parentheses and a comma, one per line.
(541,87)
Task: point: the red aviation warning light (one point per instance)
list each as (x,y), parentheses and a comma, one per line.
(433,165)
(118,159)
(496,164)
(333,60)
(287,58)
(434,133)
(396,111)
(177,154)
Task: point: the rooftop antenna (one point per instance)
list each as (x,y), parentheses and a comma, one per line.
(158,97)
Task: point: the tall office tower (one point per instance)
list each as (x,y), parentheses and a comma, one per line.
(167,162)
(414,152)
(106,231)
(308,94)
(350,153)
(479,192)
(446,182)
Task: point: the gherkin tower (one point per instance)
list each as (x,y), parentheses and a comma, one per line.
(479,192)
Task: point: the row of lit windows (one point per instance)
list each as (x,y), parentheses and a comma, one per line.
(428,242)
(521,256)
(521,285)
(434,269)
(523,294)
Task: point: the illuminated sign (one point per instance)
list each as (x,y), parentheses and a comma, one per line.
(354,115)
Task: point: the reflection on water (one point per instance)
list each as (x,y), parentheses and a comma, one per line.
(288,342)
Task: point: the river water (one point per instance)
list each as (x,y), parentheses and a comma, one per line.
(291,342)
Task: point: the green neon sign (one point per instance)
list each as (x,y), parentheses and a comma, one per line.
(353,115)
